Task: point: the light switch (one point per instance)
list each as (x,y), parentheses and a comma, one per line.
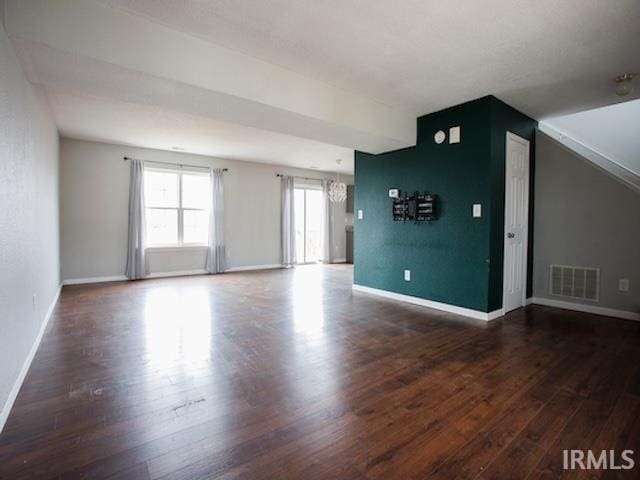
(454,134)
(477,210)
(360,214)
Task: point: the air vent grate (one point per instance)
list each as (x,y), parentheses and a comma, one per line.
(575,282)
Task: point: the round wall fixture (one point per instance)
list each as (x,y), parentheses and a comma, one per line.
(439,137)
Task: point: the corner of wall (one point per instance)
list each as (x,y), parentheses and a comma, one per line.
(505,118)
(32,244)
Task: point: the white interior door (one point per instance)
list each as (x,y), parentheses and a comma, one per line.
(516,221)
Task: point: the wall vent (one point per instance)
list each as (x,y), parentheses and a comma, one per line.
(575,282)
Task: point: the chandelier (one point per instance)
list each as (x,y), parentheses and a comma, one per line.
(337,189)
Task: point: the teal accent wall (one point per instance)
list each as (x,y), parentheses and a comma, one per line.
(456,259)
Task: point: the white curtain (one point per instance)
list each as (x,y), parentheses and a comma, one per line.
(216,254)
(136,257)
(326,222)
(288,222)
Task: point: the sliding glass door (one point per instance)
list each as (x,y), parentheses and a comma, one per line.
(308,210)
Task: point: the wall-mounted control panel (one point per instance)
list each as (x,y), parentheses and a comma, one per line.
(418,207)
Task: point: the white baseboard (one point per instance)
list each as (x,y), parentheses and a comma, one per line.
(177,273)
(445,307)
(247,268)
(13,394)
(80,281)
(579,307)
(339,260)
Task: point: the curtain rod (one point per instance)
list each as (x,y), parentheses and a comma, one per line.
(303,178)
(175,164)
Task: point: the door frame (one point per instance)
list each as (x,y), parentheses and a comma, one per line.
(305,188)
(512,136)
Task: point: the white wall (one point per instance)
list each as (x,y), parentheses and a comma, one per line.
(611,131)
(94,197)
(29,233)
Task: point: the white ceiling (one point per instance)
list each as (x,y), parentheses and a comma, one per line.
(148,126)
(612,131)
(544,57)
(284,81)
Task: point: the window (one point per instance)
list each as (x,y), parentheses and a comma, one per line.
(177,207)
(308,218)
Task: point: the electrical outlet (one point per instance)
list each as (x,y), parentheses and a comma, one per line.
(33,302)
(407,275)
(623,284)
(360,214)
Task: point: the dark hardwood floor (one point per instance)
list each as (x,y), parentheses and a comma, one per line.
(287,374)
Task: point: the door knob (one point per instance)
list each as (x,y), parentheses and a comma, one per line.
(511,235)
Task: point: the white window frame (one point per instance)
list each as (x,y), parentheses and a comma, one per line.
(181,244)
(306,185)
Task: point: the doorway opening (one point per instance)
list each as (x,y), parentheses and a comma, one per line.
(308,218)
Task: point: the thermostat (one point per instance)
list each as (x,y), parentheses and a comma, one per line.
(394,193)
(439,137)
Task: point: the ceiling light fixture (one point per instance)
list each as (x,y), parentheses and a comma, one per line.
(624,84)
(337,189)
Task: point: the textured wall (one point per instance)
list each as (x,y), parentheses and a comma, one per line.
(586,218)
(29,240)
(456,259)
(448,257)
(94,196)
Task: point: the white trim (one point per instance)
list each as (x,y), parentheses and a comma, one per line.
(13,394)
(180,208)
(612,167)
(339,260)
(176,248)
(525,252)
(445,307)
(494,314)
(80,281)
(248,268)
(578,307)
(177,273)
